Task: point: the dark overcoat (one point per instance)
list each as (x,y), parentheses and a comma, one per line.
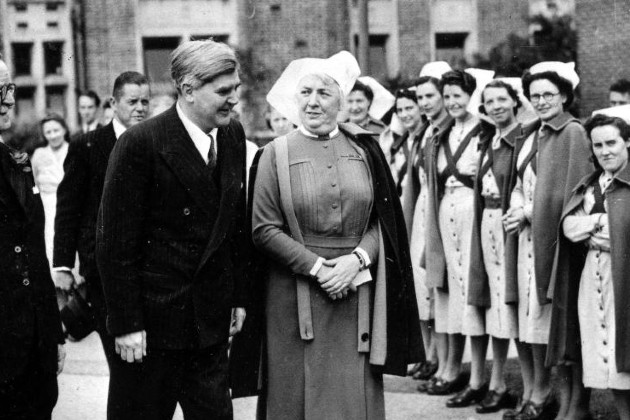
(171,245)
(28,307)
(502,168)
(78,199)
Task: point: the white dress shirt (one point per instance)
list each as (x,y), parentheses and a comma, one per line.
(199,138)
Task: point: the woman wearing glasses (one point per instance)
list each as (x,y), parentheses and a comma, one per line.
(554,157)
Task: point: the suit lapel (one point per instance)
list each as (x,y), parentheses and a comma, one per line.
(19,177)
(231,164)
(181,155)
(108,142)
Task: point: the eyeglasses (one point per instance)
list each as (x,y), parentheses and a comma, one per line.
(547,96)
(5,90)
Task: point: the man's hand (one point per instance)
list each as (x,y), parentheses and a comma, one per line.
(132,347)
(64,280)
(61,358)
(238,317)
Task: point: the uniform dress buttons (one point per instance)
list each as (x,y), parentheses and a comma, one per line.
(26,282)
(605,360)
(186,211)
(334,184)
(329,165)
(17,249)
(605,343)
(325,146)
(335,205)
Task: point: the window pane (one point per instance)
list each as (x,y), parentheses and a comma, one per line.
(56,99)
(53,53)
(157,57)
(22,53)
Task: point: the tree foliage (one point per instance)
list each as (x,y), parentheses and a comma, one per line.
(553,39)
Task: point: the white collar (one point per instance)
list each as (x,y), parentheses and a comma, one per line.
(199,138)
(118,128)
(307,133)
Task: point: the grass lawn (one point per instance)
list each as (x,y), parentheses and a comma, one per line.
(602,403)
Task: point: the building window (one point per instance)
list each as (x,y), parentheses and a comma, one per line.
(22,25)
(25,103)
(217,38)
(51,7)
(21,7)
(56,99)
(157,57)
(53,58)
(449,47)
(52,24)
(378,57)
(22,58)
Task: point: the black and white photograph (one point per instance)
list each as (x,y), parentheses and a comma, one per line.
(314,210)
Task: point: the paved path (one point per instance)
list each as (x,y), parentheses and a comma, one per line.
(83,392)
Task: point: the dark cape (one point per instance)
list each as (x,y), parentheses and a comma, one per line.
(502,168)
(404,340)
(564,153)
(564,340)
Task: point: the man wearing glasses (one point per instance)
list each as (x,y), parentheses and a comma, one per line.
(31,339)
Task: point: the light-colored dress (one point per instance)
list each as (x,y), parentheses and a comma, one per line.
(48,173)
(501,319)
(534,320)
(424,294)
(596,303)
(326,377)
(453,315)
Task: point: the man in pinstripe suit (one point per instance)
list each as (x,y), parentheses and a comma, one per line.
(171,246)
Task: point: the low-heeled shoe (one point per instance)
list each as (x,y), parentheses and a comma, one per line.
(444,387)
(495,401)
(545,410)
(513,412)
(426,371)
(467,396)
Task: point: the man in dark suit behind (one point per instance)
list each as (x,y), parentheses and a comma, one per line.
(31,340)
(79,196)
(172,242)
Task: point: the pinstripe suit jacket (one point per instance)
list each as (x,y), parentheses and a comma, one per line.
(172,248)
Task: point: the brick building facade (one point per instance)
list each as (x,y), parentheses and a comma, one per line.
(603,39)
(113,36)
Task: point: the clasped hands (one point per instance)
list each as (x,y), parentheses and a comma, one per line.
(335,276)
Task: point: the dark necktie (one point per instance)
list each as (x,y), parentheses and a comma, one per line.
(212,155)
(323,137)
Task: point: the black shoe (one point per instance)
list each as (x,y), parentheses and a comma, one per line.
(444,387)
(545,410)
(426,371)
(512,413)
(467,397)
(495,401)
(423,386)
